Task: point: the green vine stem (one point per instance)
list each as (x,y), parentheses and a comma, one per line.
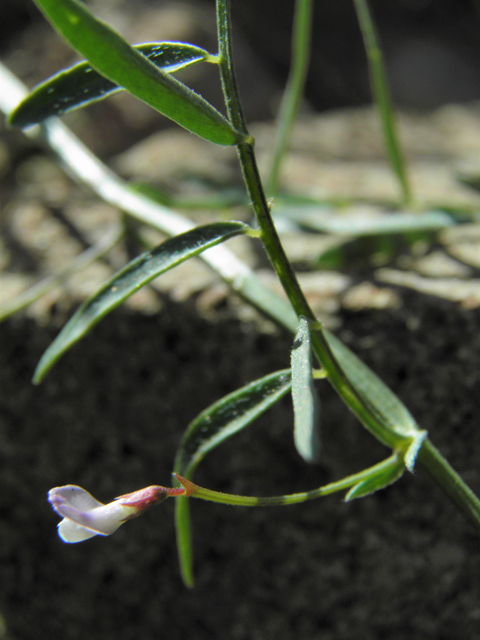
(381,94)
(272,243)
(437,467)
(452,484)
(249,167)
(294,90)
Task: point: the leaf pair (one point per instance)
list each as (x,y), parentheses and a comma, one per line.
(124,66)
(238,410)
(81,85)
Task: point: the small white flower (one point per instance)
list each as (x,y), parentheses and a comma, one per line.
(85,517)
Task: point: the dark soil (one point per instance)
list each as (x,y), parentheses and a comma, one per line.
(399,564)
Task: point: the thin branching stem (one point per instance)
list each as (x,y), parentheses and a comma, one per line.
(293,91)
(381,94)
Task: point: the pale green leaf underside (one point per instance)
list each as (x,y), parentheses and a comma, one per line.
(112,56)
(80,85)
(306,407)
(130,279)
(316,219)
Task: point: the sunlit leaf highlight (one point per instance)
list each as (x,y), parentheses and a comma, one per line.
(391,415)
(80,85)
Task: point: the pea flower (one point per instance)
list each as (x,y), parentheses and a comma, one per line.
(85,517)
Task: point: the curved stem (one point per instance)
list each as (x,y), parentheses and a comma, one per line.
(193,490)
(294,89)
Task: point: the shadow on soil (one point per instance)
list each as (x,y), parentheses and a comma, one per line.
(400,564)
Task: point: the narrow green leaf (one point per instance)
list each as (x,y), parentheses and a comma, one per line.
(306,406)
(379,480)
(228,416)
(114,58)
(294,90)
(132,278)
(80,85)
(388,410)
(381,94)
(209,429)
(183,531)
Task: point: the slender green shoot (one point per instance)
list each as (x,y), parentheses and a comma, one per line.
(381,94)
(326,348)
(273,246)
(294,90)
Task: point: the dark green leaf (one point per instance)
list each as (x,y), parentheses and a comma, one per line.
(130,279)
(122,64)
(388,475)
(305,400)
(228,416)
(209,429)
(81,85)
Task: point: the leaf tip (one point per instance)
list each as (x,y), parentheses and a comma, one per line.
(44,366)
(39,374)
(11,120)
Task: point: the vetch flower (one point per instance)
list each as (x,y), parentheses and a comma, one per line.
(85,517)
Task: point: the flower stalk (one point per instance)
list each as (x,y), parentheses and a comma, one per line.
(193,490)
